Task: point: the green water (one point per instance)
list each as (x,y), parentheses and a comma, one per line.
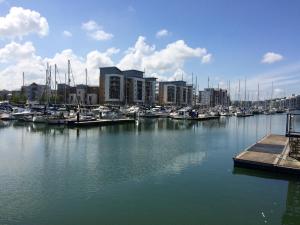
(158,172)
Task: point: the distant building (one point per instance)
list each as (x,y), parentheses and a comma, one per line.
(5,95)
(291,102)
(125,87)
(34,91)
(212,97)
(63,91)
(175,93)
(83,95)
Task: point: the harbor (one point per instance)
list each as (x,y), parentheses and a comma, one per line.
(131,172)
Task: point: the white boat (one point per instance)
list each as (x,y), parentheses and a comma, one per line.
(39,119)
(6,116)
(223,113)
(21,113)
(182,114)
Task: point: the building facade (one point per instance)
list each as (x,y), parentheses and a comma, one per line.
(176,93)
(212,97)
(83,95)
(125,87)
(34,91)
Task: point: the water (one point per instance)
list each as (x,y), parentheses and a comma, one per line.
(159,172)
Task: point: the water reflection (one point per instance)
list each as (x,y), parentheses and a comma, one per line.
(291,215)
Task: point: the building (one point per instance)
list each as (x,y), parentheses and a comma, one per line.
(125,87)
(5,95)
(83,95)
(34,91)
(63,91)
(212,97)
(175,93)
(150,91)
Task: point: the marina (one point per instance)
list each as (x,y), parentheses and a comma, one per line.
(133,171)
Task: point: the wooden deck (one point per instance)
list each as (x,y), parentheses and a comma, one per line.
(270,153)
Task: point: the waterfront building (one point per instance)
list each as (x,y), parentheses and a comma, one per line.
(125,87)
(291,102)
(176,93)
(83,95)
(212,97)
(34,92)
(5,95)
(150,90)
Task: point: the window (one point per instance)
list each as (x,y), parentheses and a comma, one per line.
(114,87)
(171,94)
(139,85)
(184,95)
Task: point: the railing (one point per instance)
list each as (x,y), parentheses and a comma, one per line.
(293,135)
(290,130)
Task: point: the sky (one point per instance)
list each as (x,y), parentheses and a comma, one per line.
(228,41)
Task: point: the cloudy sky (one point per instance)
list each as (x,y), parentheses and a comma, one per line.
(224,40)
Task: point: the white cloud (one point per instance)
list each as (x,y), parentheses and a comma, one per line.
(22,58)
(20,22)
(167,63)
(100,35)
(179,74)
(162,33)
(207,58)
(13,52)
(169,59)
(67,33)
(95,31)
(271,57)
(90,25)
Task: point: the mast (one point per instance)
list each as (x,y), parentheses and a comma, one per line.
(245,93)
(271,96)
(46,86)
(196,90)
(208,82)
(257,92)
(239,92)
(50,83)
(55,84)
(69,72)
(65,88)
(86,87)
(23,76)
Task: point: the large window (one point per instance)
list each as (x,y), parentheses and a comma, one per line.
(171,94)
(184,94)
(139,89)
(114,87)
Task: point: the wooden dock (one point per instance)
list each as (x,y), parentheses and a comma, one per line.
(100,122)
(270,153)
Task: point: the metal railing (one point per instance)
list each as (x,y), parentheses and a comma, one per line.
(293,135)
(290,130)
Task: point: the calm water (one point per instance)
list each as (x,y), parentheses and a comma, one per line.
(159,172)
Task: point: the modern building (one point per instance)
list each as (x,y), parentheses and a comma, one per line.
(212,97)
(150,91)
(125,87)
(83,95)
(176,93)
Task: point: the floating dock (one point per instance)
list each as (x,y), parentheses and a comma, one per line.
(100,122)
(271,153)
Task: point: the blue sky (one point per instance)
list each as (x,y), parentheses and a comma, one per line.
(237,34)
